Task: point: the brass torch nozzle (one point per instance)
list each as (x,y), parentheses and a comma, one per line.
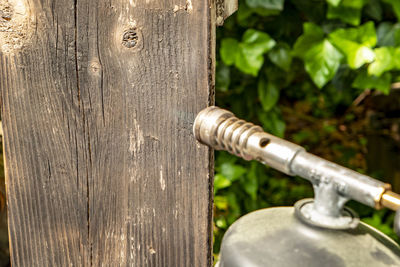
(391,200)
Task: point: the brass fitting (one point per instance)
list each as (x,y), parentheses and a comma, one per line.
(390,200)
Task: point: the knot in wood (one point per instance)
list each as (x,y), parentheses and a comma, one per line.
(6,12)
(130,38)
(95,66)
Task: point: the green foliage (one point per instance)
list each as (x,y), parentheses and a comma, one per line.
(334,3)
(348,11)
(363,80)
(305,59)
(395,5)
(321,58)
(356,44)
(386,59)
(268,93)
(248,55)
(388,34)
(280,55)
(267,4)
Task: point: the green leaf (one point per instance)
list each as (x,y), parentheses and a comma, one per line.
(267,4)
(347,15)
(221,202)
(374,9)
(257,42)
(228,51)
(385,35)
(365,81)
(221,182)
(232,171)
(312,34)
(245,12)
(321,58)
(321,62)
(388,34)
(266,12)
(396,58)
(223,77)
(251,50)
(311,29)
(356,44)
(364,34)
(349,11)
(357,55)
(268,93)
(333,2)
(221,222)
(384,61)
(248,62)
(223,156)
(272,122)
(396,7)
(280,55)
(234,207)
(250,183)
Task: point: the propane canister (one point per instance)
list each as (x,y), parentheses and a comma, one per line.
(276,237)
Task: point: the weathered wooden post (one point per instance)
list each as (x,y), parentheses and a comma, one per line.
(98,102)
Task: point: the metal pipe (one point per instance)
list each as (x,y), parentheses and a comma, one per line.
(333,184)
(391,200)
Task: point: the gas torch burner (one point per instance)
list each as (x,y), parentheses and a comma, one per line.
(333,184)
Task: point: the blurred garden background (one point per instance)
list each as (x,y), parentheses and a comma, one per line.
(322,73)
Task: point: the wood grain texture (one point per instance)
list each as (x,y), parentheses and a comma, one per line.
(224,8)
(102,167)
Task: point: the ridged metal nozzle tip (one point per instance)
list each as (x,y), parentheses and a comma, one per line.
(207,122)
(221,130)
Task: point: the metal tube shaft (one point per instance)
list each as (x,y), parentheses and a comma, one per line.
(221,130)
